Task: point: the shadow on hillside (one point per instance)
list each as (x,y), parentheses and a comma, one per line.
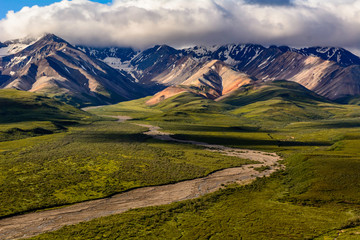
(14,111)
(339,125)
(111,137)
(225,140)
(329,125)
(196,128)
(120,137)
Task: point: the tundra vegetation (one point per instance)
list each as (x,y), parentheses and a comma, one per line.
(316,197)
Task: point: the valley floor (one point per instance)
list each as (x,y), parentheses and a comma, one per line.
(316,196)
(36,223)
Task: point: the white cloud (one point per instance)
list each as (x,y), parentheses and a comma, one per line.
(143,23)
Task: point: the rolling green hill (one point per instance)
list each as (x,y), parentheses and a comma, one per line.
(24,114)
(279,101)
(280,89)
(20,106)
(266,105)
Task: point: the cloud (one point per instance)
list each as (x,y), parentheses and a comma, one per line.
(270,2)
(143,23)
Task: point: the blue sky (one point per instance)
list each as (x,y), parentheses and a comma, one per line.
(16,5)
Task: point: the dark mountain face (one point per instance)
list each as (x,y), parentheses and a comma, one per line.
(143,66)
(231,53)
(339,55)
(124,54)
(158,55)
(246,52)
(155,61)
(53,66)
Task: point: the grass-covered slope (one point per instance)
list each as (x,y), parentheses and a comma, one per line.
(269,105)
(20,106)
(25,114)
(280,89)
(278,101)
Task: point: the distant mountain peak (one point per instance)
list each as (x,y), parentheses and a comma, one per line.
(283,48)
(163,49)
(54,66)
(339,55)
(51,37)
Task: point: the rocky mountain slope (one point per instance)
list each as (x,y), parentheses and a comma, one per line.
(339,55)
(213,80)
(53,66)
(330,72)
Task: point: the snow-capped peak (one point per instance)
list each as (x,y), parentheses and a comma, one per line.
(339,55)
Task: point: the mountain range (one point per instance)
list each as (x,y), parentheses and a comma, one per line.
(329,71)
(83,75)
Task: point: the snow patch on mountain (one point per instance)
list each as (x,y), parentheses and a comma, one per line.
(12,49)
(118,64)
(17,45)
